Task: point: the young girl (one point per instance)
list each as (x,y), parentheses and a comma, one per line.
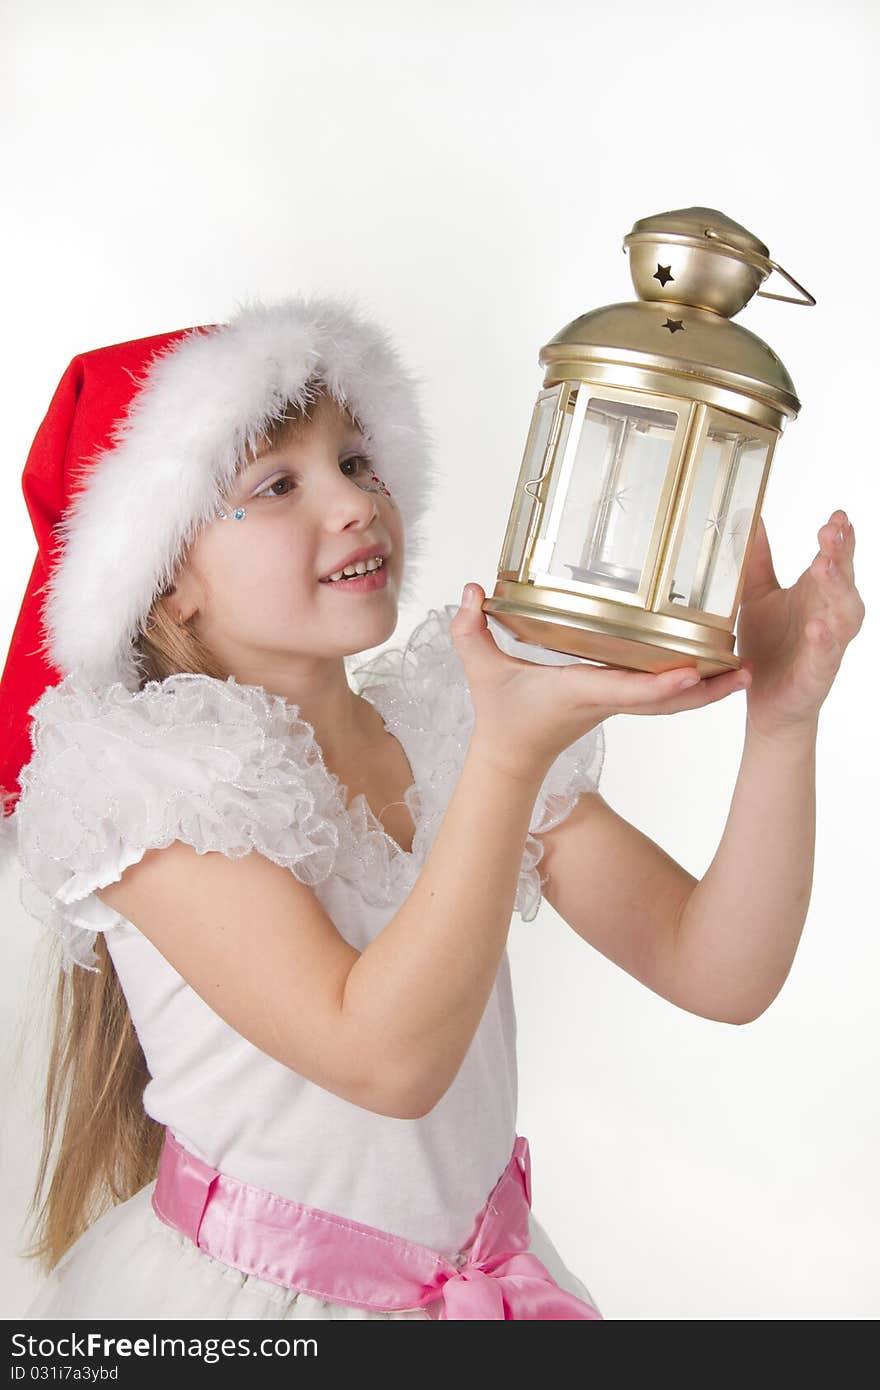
(283,1076)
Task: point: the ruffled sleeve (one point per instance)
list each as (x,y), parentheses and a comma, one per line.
(422,693)
(222,766)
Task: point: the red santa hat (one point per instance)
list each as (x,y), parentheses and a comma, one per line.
(139,443)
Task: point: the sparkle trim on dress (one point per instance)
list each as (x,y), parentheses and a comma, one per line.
(231,768)
(421,691)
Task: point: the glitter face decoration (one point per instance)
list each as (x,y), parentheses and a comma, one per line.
(376,485)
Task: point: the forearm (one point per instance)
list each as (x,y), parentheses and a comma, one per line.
(740,928)
(421,987)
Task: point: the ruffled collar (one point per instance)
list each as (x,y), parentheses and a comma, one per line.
(193,731)
(230,768)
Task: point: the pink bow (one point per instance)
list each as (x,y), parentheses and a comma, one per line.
(510,1286)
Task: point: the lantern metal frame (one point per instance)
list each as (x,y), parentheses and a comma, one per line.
(728,382)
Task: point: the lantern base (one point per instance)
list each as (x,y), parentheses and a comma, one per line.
(608,641)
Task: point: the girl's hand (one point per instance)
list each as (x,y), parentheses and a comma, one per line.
(526,713)
(792,640)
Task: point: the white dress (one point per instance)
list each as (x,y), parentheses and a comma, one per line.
(227,767)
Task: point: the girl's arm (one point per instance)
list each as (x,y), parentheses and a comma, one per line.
(386,1028)
(423,983)
(740,927)
(720,946)
(723,946)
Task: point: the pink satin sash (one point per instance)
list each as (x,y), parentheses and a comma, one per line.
(343,1261)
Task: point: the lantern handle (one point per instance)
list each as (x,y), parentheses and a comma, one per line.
(710,231)
(787,297)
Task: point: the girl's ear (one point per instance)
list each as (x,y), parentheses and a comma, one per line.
(168,603)
(177,611)
(181,599)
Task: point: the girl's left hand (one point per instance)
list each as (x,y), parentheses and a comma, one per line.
(792,641)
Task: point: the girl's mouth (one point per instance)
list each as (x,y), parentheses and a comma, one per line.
(360,583)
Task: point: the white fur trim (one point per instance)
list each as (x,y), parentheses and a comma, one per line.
(201,404)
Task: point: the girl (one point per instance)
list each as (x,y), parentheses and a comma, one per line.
(284,1044)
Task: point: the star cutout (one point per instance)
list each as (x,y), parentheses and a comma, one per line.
(673,325)
(662,273)
(617,497)
(737,531)
(712,524)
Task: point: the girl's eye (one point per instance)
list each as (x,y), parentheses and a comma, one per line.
(360,461)
(267,491)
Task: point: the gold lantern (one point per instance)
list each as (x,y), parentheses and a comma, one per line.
(647,458)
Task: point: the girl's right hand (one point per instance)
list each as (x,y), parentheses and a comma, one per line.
(526,713)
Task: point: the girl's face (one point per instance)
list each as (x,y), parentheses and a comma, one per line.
(256,586)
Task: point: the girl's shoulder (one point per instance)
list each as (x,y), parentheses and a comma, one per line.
(223,766)
(230,768)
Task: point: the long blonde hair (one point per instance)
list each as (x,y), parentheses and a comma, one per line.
(106,1146)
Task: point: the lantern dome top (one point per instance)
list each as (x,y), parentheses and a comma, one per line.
(718,263)
(688,342)
(696,222)
(693,269)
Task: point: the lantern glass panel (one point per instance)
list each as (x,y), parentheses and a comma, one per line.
(532,467)
(719,519)
(558,457)
(603,510)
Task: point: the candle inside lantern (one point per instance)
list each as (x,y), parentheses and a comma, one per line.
(605,506)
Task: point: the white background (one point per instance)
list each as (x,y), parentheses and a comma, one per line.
(469,174)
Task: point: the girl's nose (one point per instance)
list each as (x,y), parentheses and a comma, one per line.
(336,512)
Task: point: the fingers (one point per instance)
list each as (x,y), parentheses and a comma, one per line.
(707,691)
(833,569)
(470,632)
(837,544)
(470,616)
(619,690)
(473,596)
(642,692)
(713,688)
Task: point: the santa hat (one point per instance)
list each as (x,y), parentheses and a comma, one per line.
(140,441)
